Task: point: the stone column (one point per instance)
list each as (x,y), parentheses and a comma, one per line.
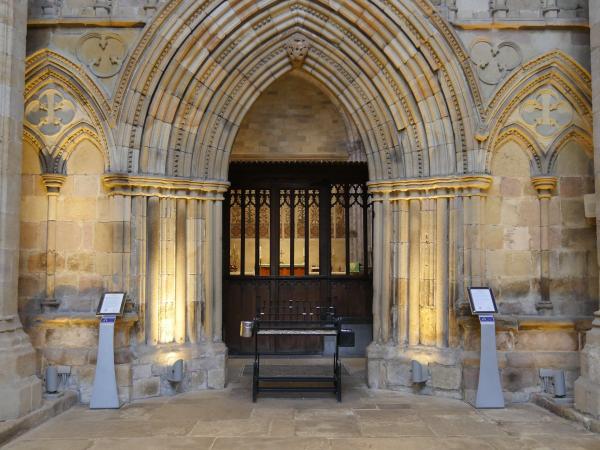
(153,255)
(414,253)
(377,265)
(193,266)
(138,261)
(20,389)
(180,271)
(53,183)
(441,272)
(587,386)
(207,276)
(386,273)
(544,187)
(217,270)
(403,274)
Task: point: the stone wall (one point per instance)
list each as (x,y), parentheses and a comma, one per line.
(86,242)
(513,234)
(476,125)
(292,120)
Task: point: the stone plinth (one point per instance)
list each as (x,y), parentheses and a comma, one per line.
(587,386)
(20,388)
(389,367)
(141,371)
(204,368)
(73,341)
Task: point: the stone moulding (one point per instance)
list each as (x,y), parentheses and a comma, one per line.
(414,188)
(518,24)
(153,186)
(544,186)
(63,320)
(533,323)
(85,22)
(53,182)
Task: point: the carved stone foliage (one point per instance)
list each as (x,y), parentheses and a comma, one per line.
(547,112)
(50,111)
(50,7)
(102,7)
(102,53)
(494,62)
(85,12)
(297,47)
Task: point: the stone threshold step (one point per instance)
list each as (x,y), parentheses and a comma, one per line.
(566,411)
(50,408)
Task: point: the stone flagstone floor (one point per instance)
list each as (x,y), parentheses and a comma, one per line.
(380,420)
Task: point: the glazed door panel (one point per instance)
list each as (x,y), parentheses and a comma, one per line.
(300,235)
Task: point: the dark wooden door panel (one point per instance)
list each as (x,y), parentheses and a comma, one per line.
(352,298)
(297,232)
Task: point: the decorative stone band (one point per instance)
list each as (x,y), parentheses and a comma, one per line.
(9,323)
(53,182)
(544,186)
(150,186)
(438,187)
(78,320)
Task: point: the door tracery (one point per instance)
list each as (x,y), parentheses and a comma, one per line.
(300,234)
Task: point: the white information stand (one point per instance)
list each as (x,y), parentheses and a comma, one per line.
(104,392)
(489,390)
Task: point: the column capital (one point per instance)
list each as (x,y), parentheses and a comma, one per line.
(432,187)
(53,182)
(544,185)
(164,187)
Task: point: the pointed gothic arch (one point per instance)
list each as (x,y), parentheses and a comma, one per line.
(181,97)
(553,70)
(47,69)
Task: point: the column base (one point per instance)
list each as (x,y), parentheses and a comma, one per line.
(587,386)
(389,367)
(205,367)
(20,388)
(587,397)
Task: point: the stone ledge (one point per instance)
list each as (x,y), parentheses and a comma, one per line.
(566,23)
(110,22)
(431,187)
(566,411)
(164,187)
(533,322)
(50,408)
(77,319)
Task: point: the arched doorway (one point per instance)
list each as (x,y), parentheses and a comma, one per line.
(297,218)
(410,104)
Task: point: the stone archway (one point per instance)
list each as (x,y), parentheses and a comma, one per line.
(405,93)
(166,120)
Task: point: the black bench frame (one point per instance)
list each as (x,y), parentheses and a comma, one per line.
(299,319)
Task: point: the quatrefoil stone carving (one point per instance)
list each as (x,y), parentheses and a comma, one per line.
(547,112)
(494,62)
(50,111)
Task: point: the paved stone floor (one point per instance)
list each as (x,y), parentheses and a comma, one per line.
(366,419)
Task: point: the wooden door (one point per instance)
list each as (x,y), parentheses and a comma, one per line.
(295,232)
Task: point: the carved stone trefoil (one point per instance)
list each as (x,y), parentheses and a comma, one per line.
(103,53)
(494,62)
(297,47)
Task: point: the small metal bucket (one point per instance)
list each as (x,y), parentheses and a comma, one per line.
(246,327)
